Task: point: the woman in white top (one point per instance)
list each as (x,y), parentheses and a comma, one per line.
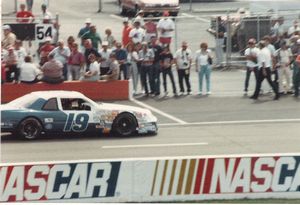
(132,59)
(203,62)
(93,74)
(28,71)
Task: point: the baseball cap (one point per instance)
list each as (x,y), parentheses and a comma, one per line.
(88,20)
(125,19)
(141,12)
(6,27)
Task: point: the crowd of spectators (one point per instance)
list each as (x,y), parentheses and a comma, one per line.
(143,55)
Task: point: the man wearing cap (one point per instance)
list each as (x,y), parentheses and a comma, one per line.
(104,59)
(264,61)
(9,39)
(251,54)
(52,70)
(183,59)
(295,29)
(165,27)
(125,33)
(137,34)
(114,70)
(140,18)
(84,30)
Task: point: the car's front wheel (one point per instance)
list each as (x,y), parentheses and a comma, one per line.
(124,125)
(30,128)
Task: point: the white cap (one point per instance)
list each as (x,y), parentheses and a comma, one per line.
(88,20)
(6,27)
(125,19)
(105,43)
(48,38)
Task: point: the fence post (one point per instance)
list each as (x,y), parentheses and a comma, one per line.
(100,6)
(191,2)
(228,41)
(16,6)
(258,28)
(175,34)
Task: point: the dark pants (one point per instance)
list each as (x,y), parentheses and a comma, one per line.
(47,79)
(296,79)
(104,70)
(124,70)
(146,75)
(168,71)
(248,73)
(65,71)
(184,74)
(12,73)
(261,78)
(155,82)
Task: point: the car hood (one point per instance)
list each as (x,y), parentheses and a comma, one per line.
(160,1)
(119,107)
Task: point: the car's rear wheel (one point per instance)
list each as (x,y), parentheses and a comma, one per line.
(30,128)
(124,125)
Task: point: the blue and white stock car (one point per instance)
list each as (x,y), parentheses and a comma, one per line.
(67,111)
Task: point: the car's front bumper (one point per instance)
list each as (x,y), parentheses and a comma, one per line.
(149,127)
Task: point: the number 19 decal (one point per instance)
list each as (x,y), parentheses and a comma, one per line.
(76,123)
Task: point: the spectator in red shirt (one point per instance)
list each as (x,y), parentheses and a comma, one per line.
(150,28)
(126,30)
(45,50)
(75,63)
(24,16)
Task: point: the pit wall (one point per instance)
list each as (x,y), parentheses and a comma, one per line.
(101,90)
(152,180)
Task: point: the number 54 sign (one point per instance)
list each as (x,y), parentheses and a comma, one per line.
(42,31)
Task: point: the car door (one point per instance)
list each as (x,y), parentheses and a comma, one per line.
(79,115)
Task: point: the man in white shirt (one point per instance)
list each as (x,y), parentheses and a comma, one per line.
(137,34)
(264,61)
(183,59)
(251,54)
(283,58)
(165,26)
(104,59)
(294,28)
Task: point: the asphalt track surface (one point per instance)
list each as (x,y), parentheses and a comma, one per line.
(227,122)
(221,124)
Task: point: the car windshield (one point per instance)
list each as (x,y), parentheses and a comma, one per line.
(24,101)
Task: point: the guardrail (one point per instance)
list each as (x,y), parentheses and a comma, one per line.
(100,90)
(170,179)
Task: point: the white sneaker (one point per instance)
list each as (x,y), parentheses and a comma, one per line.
(166,93)
(189,93)
(199,93)
(181,93)
(208,93)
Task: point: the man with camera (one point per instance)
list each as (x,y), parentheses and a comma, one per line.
(183,61)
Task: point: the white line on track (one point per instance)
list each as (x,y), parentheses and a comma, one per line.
(159,112)
(232,122)
(155,145)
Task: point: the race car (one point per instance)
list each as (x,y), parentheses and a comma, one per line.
(71,112)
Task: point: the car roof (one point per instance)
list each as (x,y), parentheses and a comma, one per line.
(56,93)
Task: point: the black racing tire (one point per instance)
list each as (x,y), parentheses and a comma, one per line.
(29,129)
(124,125)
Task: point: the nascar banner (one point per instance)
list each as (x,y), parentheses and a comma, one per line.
(150,180)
